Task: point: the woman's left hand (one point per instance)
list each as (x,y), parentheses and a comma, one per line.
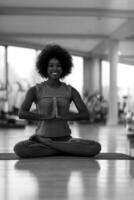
(61,117)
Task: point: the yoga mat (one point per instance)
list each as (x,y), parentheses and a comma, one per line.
(113,156)
(101,156)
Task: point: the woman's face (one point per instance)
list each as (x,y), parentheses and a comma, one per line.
(54,69)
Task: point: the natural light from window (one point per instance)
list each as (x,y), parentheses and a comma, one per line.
(22,61)
(125,80)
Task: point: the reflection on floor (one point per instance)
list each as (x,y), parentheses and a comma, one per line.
(70,178)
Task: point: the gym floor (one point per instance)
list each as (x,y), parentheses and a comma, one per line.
(69,178)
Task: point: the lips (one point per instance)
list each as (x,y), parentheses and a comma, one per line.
(55,74)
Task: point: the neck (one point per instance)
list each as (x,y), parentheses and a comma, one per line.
(54,83)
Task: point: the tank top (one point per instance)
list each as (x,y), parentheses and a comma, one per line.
(53,100)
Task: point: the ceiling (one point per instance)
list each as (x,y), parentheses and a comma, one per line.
(84,27)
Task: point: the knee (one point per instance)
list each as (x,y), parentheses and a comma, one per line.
(97,148)
(19,150)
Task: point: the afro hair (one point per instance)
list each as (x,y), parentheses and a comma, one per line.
(57,52)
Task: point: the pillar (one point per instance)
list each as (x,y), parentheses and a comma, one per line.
(6,106)
(113,102)
(92,75)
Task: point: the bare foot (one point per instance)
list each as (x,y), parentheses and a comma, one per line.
(44,140)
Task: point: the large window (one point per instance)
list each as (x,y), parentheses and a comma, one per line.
(21,62)
(125,81)
(2,67)
(76,77)
(22,72)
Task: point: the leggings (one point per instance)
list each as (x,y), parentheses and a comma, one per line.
(37,146)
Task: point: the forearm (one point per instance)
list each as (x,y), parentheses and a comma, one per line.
(31,116)
(71,116)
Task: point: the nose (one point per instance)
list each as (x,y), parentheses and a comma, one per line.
(55,67)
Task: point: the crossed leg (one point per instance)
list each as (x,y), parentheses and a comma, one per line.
(74,146)
(47,147)
(32,149)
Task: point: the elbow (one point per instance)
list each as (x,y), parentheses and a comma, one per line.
(86,116)
(20,114)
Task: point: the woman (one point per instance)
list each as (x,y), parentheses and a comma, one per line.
(52,98)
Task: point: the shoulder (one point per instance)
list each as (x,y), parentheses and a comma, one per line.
(32,90)
(39,87)
(72,91)
(68,88)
